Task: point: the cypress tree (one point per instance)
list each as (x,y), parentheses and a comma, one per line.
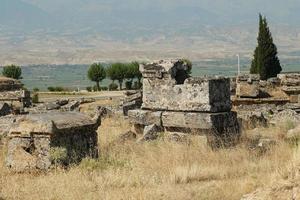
(265,61)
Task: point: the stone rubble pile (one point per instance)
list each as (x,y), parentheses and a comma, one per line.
(174,101)
(132,100)
(290,84)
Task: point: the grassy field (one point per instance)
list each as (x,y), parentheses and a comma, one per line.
(156,170)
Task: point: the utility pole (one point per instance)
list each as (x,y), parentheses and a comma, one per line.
(239,69)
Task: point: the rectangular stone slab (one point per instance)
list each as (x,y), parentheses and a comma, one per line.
(145,117)
(204,121)
(196,94)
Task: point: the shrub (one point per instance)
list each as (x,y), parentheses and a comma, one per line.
(58,155)
(12,71)
(113,87)
(104,88)
(56,89)
(36,89)
(35,98)
(89,89)
(128,85)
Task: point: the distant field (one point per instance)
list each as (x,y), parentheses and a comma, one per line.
(74,76)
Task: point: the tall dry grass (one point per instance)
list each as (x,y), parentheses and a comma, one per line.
(155,170)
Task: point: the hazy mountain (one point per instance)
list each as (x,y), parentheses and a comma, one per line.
(16,14)
(228,11)
(77,31)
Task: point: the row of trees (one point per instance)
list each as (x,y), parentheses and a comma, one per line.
(116,72)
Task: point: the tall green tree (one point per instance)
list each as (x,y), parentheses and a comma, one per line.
(96,73)
(265,61)
(12,71)
(117,71)
(136,70)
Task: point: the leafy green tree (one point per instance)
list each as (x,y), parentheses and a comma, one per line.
(265,61)
(136,70)
(96,73)
(129,71)
(12,71)
(117,71)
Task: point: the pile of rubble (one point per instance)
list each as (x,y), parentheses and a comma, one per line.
(290,84)
(285,88)
(132,100)
(13,94)
(174,101)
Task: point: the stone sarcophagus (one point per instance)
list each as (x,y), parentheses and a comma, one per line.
(172,100)
(37,141)
(167,86)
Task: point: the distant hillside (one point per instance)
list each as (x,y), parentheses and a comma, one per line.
(16,14)
(81,31)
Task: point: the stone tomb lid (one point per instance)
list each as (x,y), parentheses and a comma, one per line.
(48,123)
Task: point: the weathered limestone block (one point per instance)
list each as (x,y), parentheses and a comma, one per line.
(9,84)
(289,79)
(20,153)
(132,100)
(252,119)
(151,132)
(145,117)
(199,120)
(196,94)
(33,140)
(71,106)
(247,86)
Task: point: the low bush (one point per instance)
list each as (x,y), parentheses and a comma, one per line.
(128,85)
(89,89)
(56,89)
(104,88)
(113,87)
(36,89)
(35,98)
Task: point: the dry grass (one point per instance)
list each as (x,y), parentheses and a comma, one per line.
(156,170)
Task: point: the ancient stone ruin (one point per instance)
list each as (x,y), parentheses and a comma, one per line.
(12,93)
(36,141)
(173,101)
(132,100)
(256,101)
(247,86)
(290,84)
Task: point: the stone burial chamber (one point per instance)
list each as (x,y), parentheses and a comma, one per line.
(37,141)
(172,100)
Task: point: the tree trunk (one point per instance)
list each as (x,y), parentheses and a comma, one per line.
(120,84)
(98,86)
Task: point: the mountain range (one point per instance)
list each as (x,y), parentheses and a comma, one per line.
(71,29)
